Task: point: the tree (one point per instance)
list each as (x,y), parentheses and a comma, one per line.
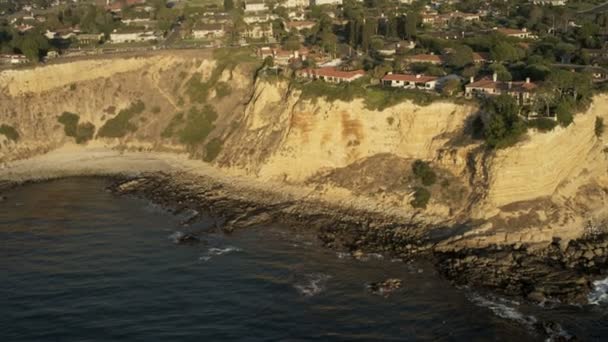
(505,52)
(501,72)
(292,43)
(32,44)
(503,126)
(460,56)
(450,87)
(411,24)
(421,198)
(599,126)
(228,5)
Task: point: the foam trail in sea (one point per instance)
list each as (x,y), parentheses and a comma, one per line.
(599,294)
(313,284)
(175,237)
(220,251)
(215,251)
(503,308)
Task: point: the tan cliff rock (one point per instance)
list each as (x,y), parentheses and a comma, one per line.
(548,185)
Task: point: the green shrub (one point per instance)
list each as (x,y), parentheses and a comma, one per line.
(599,126)
(375,98)
(212,149)
(421,197)
(119,126)
(156,109)
(222,89)
(85,132)
(69,122)
(198,125)
(423,171)
(72,87)
(10,132)
(542,124)
(504,127)
(563,112)
(169,131)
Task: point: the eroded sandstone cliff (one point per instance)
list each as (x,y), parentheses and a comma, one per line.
(552,183)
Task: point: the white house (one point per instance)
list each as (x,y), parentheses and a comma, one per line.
(325,2)
(409,81)
(332,75)
(208,31)
(12,59)
(255,6)
(127,37)
(296,3)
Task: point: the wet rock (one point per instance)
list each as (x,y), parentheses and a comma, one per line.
(536,296)
(385,288)
(187,239)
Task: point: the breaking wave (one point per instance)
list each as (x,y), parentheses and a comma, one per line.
(503,308)
(599,295)
(215,251)
(175,237)
(313,284)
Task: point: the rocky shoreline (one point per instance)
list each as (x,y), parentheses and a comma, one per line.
(559,272)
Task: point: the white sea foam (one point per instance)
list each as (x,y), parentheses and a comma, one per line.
(503,308)
(343,255)
(175,237)
(313,284)
(599,294)
(221,251)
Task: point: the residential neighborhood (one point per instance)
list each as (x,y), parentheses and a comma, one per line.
(469,49)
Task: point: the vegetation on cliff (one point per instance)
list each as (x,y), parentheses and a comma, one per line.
(120,125)
(375,97)
(82,132)
(193,128)
(9,131)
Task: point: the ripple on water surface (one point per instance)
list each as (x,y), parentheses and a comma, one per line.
(81,264)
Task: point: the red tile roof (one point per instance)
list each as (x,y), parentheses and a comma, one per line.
(409,78)
(426,58)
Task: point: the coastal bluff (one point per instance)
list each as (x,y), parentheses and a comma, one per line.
(549,185)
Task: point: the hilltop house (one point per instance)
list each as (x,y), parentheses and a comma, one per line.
(296,3)
(202,31)
(299,25)
(331,74)
(523,92)
(12,59)
(325,2)
(515,33)
(283,57)
(255,6)
(258,31)
(87,38)
(409,81)
(136,36)
(425,58)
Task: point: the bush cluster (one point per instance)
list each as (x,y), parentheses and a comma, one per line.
(9,131)
(120,125)
(82,132)
(212,149)
(422,170)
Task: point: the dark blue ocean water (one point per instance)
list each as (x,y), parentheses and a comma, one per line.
(80,264)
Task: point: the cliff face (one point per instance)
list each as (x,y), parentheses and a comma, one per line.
(554,180)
